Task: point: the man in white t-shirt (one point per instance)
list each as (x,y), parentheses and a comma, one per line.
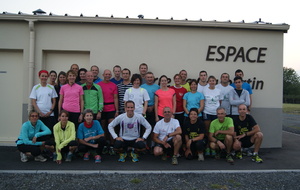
(129,135)
(225,89)
(202,84)
(167,135)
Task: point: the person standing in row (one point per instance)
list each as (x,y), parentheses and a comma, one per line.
(43,98)
(110,109)
(117,75)
(71,99)
(61,80)
(81,78)
(225,90)
(122,87)
(52,77)
(93,97)
(164,97)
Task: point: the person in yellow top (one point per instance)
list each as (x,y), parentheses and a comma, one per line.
(64,139)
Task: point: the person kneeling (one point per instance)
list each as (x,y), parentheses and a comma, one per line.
(221,132)
(248,134)
(194,131)
(129,136)
(167,136)
(64,139)
(91,137)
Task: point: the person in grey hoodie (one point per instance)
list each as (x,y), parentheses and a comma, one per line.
(238,96)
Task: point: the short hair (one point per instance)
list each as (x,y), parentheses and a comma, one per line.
(117,66)
(193,109)
(82,69)
(71,72)
(94,66)
(86,111)
(143,64)
(129,101)
(31,112)
(242,105)
(52,71)
(149,73)
(65,112)
(74,64)
(238,78)
(136,76)
(225,74)
(221,108)
(203,72)
(60,73)
(125,69)
(211,77)
(177,75)
(182,71)
(239,71)
(193,80)
(162,76)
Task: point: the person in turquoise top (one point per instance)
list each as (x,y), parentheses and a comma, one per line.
(221,133)
(193,99)
(33,135)
(64,139)
(93,97)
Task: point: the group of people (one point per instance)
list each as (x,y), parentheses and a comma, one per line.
(82,113)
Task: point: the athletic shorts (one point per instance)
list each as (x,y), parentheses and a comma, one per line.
(246,142)
(209,117)
(108,115)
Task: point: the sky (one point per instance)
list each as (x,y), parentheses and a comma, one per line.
(273,11)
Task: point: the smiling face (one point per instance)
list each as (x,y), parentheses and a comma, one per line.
(238,84)
(149,78)
(106,75)
(117,72)
(183,75)
(129,108)
(75,68)
(143,69)
(126,75)
(82,75)
(212,83)
(136,83)
(193,116)
(43,78)
(224,78)
(33,117)
(163,82)
(64,117)
(221,114)
(88,117)
(71,78)
(62,79)
(203,77)
(177,80)
(242,109)
(193,86)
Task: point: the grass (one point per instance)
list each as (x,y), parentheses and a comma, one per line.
(291,108)
(136,181)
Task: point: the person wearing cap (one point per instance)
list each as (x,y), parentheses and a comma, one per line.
(43,99)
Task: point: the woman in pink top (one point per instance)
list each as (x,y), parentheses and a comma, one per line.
(164,97)
(71,99)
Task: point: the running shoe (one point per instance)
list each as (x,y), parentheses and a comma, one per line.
(111,151)
(122,157)
(200,157)
(97,159)
(239,155)
(257,159)
(229,158)
(105,150)
(134,157)
(40,158)
(86,156)
(207,152)
(24,158)
(69,157)
(174,160)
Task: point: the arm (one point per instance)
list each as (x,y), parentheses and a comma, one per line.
(61,99)
(232,101)
(156,108)
(71,136)
(174,103)
(81,108)
(178,131)
(33,102)
(112,125)
(201,106)
(145,107)
(230,131)
(116,102)
(184,107)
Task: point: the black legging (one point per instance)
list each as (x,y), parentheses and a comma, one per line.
(84,148)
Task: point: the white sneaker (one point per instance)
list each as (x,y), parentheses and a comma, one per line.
(200,157)
(24,158)
(40,158)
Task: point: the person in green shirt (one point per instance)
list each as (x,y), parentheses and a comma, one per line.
(221,133)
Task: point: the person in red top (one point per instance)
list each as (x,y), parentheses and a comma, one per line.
(180,91)
(164,97)
(111,106)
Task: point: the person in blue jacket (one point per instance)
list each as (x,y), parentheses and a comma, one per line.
(33,135)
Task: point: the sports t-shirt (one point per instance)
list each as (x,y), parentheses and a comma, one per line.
(240,127)
(212,100)
(138,96)
(71,101)
(215,125)
(193,101)
(151,89)
(43,96)
(109,90)
(165,99)
(163,128)
(194,130)
(179,98)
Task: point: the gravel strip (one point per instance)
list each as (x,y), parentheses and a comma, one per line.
(272,180)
